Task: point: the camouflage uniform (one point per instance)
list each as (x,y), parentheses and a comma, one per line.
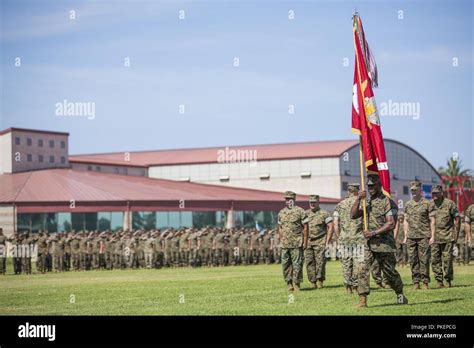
(233,248)
(243,248)
(75,252)
(381,247)
(463,250)
(184,249)
(417,218)
(352,241)
(255,245)
(314,255)
(266,243)
(219,244)
(469,220)
(401,253)
(291,221)
(444,213)
(3,254)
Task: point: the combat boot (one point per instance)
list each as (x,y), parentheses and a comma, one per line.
(290,287)
(362,301)
(313,285)
(449,284)
(440,285)
(426,286)
(386,286)
(319,284)
(296,287)
(416,286)
(378,286)
(349,289)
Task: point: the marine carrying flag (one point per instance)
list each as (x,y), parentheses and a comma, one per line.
(365,117)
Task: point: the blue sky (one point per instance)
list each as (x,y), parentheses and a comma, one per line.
(190,62)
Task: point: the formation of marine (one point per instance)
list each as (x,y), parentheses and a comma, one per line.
(183,247)
(427,234)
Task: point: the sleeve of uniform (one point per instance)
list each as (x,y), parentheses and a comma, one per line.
(327,217)
(431,209)
(467,218)
(454,210)
(304,216)
(335,213)
(279,218)
(390,208)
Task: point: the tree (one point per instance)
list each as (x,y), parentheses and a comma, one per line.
(454,169)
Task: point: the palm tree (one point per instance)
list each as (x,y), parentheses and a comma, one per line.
(455,169)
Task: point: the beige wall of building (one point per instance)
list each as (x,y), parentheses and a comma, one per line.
(7,219)
(123,170)
(38,150)
(6,153)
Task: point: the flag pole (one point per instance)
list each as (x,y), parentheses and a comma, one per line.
(362,184)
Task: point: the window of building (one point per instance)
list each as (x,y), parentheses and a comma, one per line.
(29,142)
(97,169)
(143,220)
(405,190)
(51,143)
(125,171)
(51,159)
(40,142)
(63,160)
(40,158)
(17,141)
(116,170)
(89,168)
(29,157)
(63,144)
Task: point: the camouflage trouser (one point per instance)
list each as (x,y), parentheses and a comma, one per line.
(183,257)
(419,257)
(376,272)
(464,253)
(76,261)
(401,254)
(244,255)
(41,262)
(17,265)
(255,254)
(277,254)
(292,264)
(109,260)
(349,271)
(95,260)
(442,261)
(26,264)
(219,257)
(3,264)
(83,260)
(148,259)
(315,260)
(59,261)
(233,255)
(159,259)
(266,256)
(387,263)
(118,261)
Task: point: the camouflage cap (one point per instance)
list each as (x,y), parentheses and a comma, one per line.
(290,194)
(373,179)
(314,198)
(415,185)
(437,189)
(355,186)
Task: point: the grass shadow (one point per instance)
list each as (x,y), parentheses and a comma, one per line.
(448,300)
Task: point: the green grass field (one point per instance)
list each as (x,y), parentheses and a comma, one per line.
(241,290)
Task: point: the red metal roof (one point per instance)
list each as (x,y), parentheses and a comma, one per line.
(210,155)
(53,189)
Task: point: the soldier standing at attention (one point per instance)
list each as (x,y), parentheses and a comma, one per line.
(320,226)
(444,219)
(468,227)
(3,252)
(74,244)
(351,239)
(399,237)
(293,230)
(255,246)
(416,227)
(243,246)
(233,247)
(381,211)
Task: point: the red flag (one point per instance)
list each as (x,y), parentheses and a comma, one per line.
(365,117)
